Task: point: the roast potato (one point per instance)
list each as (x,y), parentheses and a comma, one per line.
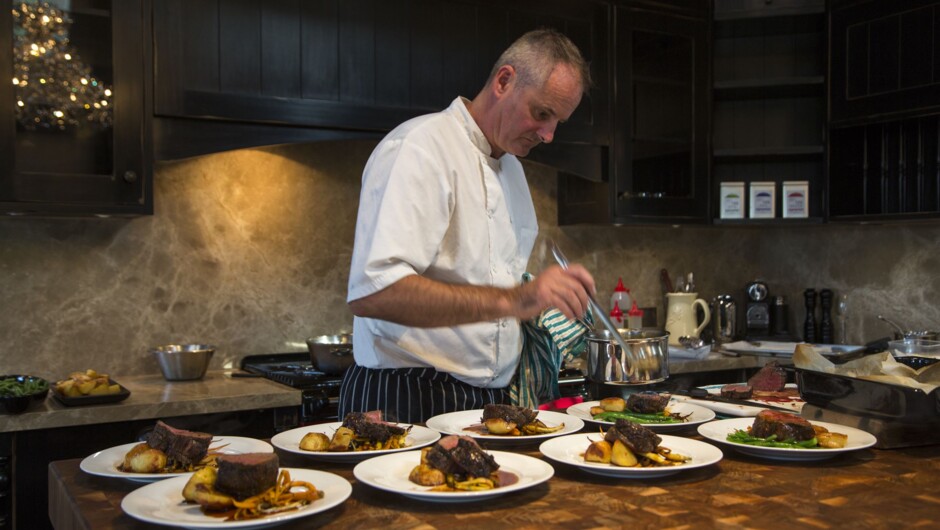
(621,455)
(499,426)
(598,451)
(613,404)
(342,439)
(315,441)
(200,489)
(144,459)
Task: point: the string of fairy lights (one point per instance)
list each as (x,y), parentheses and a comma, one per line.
(54,89)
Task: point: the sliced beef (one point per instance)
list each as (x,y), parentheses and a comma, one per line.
(737,391)
(247,474)
(647,402)
(511,413)
(638,438)
(461,456)
(785,425)
(771,378)
(370,425)
(182,446)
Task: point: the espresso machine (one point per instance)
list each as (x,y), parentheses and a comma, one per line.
(757,310)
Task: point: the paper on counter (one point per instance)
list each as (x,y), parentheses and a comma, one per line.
(879,367)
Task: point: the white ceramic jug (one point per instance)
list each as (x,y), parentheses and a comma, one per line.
(681,317)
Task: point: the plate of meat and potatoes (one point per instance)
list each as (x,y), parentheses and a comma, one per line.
(718,431)
(530,426)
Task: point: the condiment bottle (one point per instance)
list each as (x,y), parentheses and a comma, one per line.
(621,296)
(616,315)
(635,317)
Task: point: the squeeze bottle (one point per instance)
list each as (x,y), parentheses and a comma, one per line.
(635,317)
(616,316)
(621,296)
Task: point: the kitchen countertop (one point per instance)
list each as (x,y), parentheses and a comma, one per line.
(152,396)
(863,489)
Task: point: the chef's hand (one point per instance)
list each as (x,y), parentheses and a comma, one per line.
(566,290)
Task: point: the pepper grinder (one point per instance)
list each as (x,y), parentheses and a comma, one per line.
(809,325)
(825,320)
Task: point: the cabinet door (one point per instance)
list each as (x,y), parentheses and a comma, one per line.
(73,120)
(660,134)
(342,67)
(885,60)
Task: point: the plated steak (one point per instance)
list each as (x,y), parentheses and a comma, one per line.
(784,425)
(247,474)
(737,391)
(638,438)
(647,402)
(510,413)
(461,456)
(179,445)
(771,378)
(370,425)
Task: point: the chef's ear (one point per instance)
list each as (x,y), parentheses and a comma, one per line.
(504,79)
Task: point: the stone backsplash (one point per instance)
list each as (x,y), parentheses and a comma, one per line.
(249,250)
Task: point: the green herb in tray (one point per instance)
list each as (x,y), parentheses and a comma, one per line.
(742,437)
(13,386)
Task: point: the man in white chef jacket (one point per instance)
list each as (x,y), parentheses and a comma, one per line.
(444,232)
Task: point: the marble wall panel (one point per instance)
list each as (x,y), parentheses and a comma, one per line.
(249,250)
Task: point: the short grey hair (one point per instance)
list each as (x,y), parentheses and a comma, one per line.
(535,54)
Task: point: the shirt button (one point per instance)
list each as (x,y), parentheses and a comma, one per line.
(504,323)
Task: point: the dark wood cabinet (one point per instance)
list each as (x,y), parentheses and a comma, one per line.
(57,157)
(769,121)
(657,165)
(885,110)
(250,72)
(659,153)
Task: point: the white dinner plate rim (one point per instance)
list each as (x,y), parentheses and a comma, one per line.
(104,463)
(582,411)
(567,449)
(160,495)
(718,431)
(454,423)
(290,441)
(530,471)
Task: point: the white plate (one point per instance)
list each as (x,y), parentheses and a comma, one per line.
(162,502)
(105,463)
(697,415)
(719,430)
(390,473)
(290,441)
(786,349)
(570,450)
(733,409)
(457,423)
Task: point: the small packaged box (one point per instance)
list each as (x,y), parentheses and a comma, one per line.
(763,200)
(796,198)
(732,200)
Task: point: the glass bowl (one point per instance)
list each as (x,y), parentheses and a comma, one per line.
(916,353)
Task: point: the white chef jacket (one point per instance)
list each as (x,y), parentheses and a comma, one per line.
(435,203)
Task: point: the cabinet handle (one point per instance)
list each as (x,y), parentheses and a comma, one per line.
(130,176)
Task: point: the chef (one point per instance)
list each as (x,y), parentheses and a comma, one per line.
(444,232)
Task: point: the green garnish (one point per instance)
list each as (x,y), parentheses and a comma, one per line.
(637,417)
(11,386)
(742,437)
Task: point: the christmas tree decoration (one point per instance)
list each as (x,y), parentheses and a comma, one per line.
(54,89)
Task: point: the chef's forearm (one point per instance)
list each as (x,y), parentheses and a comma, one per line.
(420,302)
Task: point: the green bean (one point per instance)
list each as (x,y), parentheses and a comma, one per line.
(636,417)
(13,387)
(741,436)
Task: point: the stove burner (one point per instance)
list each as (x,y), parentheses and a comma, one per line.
(290,369)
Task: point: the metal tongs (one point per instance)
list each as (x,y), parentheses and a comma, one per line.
(600,313)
